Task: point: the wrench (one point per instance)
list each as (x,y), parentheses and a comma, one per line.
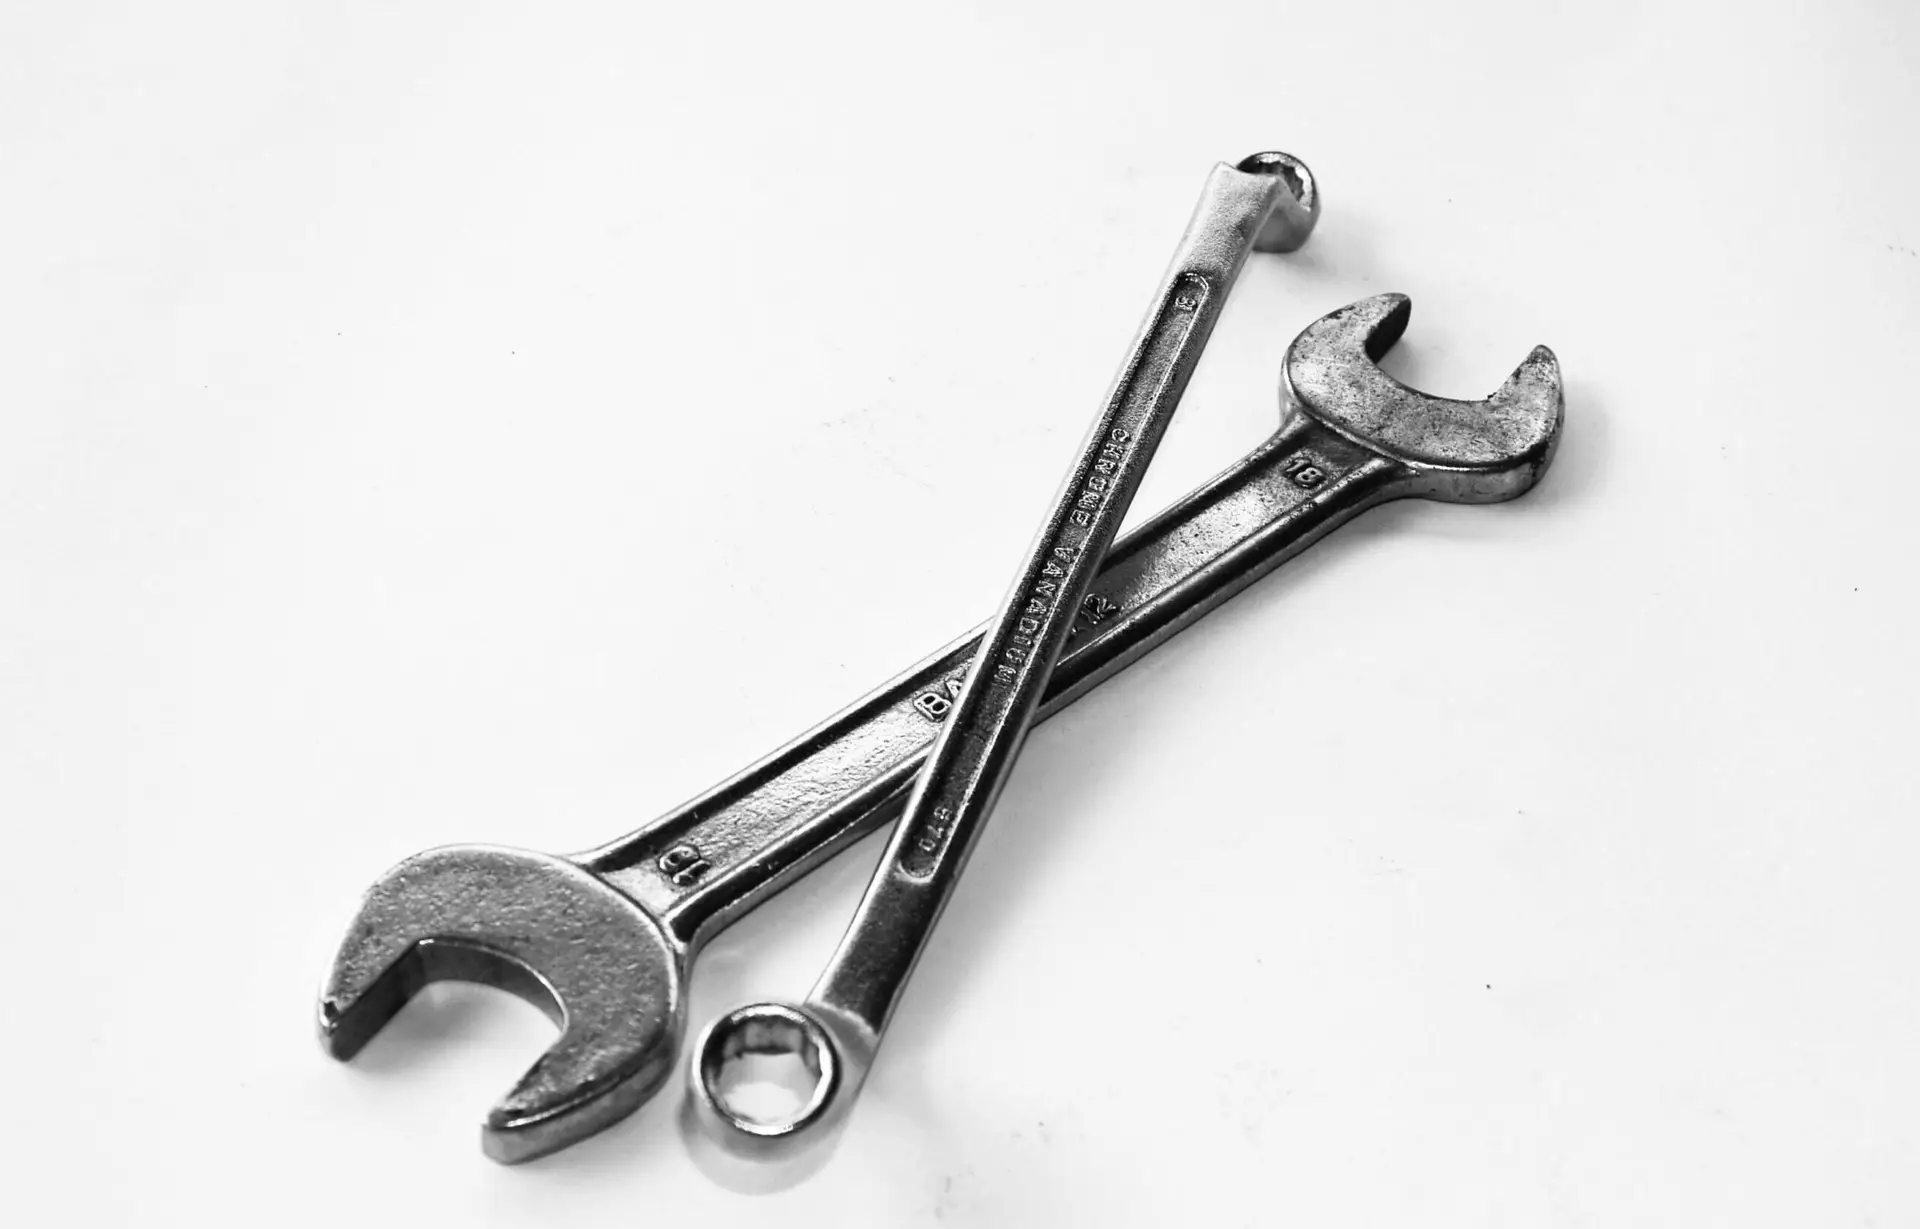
(603,941)
(837,1030)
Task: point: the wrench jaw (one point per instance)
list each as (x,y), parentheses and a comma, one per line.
(542,928)
(1473,452)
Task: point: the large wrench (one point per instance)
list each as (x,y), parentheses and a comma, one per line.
(836,1032)
(603,940)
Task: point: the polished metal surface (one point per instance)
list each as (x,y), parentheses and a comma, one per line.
(603,940)
(975,751)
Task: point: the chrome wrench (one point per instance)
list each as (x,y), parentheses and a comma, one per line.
(837,1030)
(603,940)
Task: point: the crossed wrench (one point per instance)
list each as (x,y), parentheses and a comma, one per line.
(602,941)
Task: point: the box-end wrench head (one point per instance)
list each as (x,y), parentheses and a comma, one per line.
(1290,223)
(603,941)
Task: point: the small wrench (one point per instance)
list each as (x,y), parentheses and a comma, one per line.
(603,941)
(837,1030)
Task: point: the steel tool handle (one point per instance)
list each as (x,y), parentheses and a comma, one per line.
(720,855)
(970,761)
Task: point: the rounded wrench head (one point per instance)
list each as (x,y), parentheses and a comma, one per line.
(1459,451)
(1291,223)
(547,930)
(779,1029)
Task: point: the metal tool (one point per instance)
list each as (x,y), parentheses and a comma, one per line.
(837,1030)
(603,940)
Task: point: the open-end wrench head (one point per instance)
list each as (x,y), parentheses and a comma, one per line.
(546,930)
(1458,451)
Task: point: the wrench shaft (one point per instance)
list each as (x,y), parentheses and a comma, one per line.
(720,855)
(972,757)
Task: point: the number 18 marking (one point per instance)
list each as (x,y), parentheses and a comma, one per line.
(1306,472)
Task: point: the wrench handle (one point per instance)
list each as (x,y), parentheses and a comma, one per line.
(974,754)
(717,857)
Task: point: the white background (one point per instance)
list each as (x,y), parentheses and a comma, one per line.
(430,422)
